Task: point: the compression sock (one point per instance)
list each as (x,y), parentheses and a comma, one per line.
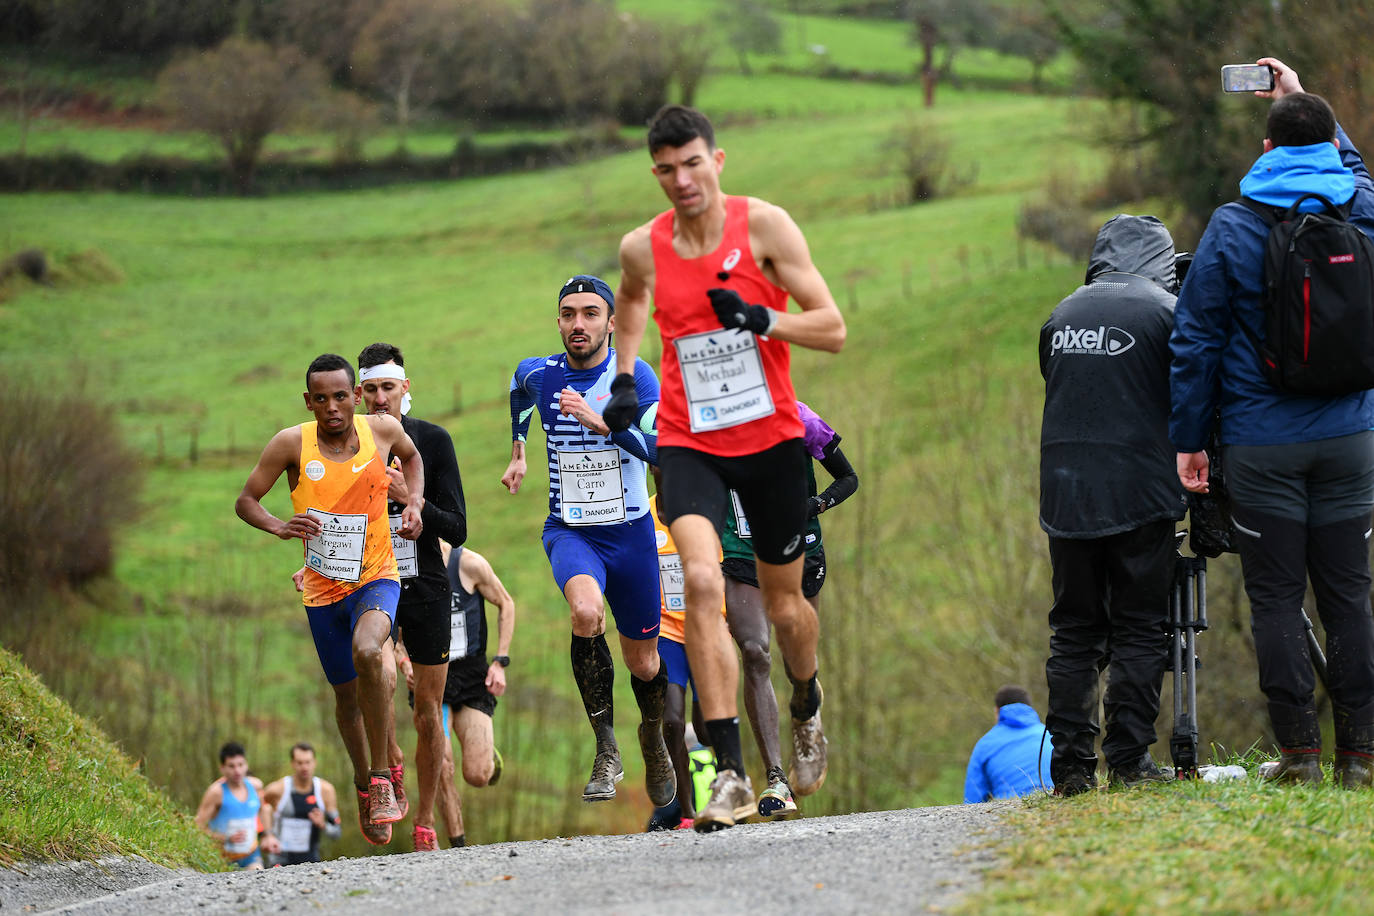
(725,741)
(595,675)
(456,841)
(806,697)
(650,695)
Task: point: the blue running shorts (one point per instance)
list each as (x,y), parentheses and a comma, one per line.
(332,625)
(622,558)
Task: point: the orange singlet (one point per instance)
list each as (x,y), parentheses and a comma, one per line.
(350,496)
(720,395)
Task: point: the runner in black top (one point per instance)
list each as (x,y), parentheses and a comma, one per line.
(299,810)
(422,613)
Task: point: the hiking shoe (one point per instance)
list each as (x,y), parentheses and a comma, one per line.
(776,800)
(1353,769)
(1297,766)
(426,840)
(732,800)
(1143,771)
(807,773)
(381,802)
(1075,783)
(398,788)
(497,765)
(660,780)
(376,834)
(606,772)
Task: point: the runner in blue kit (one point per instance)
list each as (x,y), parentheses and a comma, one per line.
(599,535)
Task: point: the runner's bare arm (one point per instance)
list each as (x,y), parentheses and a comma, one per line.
(778,243)
(632,299)
(490,587)
(390,436)
(209,807)
(270,844)
(515,471)
(280,454)
(333,828)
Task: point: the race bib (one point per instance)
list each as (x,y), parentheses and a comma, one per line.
(337,552)
(670,580)
(741,523)
(590,487)
(249,826)
(295,834)
(457,631)
(722,373)
(406,562)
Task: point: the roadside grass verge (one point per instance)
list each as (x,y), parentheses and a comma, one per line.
(69,793)
(1232,847)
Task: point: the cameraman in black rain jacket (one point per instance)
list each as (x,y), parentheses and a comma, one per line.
(1109,500)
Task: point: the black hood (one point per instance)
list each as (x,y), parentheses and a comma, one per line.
(1134,245)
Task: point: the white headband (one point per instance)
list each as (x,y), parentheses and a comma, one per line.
(387,370)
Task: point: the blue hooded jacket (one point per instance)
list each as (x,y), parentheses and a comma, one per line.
(1011,758)
(1214,363)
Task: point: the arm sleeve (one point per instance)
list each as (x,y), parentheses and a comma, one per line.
(445,510)
(846,481)
(332,826)
(1202,326)
(641,439)
(976,788)
(524,388)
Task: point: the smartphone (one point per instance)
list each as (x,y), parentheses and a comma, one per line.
(1246,78)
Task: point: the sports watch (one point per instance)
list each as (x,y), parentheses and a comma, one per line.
(502,660)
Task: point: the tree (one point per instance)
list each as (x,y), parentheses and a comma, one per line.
(324,29)
(753,30)
(1027,32)
(689,56)
(948,24)
(402,50)
(240,93)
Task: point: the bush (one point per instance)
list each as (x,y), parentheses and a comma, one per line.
(923,163)
(67,482)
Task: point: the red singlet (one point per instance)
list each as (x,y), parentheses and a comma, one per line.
(682,310)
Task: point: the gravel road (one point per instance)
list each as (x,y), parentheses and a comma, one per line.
(918,860)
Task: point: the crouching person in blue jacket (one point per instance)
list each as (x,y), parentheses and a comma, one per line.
(1013,757)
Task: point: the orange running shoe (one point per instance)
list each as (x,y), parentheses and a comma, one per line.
(426,840)
(376,834)
(381,802)
(398,787)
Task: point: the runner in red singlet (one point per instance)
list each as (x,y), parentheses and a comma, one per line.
(719,271)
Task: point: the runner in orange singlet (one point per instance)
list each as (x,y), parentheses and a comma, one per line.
(719,271)
(336,468)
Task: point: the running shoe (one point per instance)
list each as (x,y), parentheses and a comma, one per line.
(381,802)
(807,773)
(426,840)
(732,800)
(776,800)
(660,781)
(376,834)
(398,787)
(497,764)
(606,772)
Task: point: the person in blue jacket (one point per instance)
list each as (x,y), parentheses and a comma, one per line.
(1013,758)
(1300,469)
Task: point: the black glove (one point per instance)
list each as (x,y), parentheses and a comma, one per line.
(817,506)
(734,312)
(624,403)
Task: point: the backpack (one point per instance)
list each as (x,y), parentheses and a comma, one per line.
(1318,301)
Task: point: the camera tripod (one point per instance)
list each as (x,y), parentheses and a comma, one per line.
(1187,618)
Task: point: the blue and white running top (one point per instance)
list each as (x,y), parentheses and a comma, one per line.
(593,479)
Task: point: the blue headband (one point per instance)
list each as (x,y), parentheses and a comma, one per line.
(585,283)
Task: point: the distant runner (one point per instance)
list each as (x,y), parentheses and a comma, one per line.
(719,270)
(300,809)
(336,468)
(473,683)
(229,809)
(422,613)
(746,617)
(599,536)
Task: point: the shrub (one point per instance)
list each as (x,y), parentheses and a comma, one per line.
(67,482)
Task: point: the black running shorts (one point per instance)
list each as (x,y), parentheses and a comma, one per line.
(771,485)
(424,627)
(813,572)
(467,685)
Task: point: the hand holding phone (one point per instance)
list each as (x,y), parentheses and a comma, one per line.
(1247,78)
